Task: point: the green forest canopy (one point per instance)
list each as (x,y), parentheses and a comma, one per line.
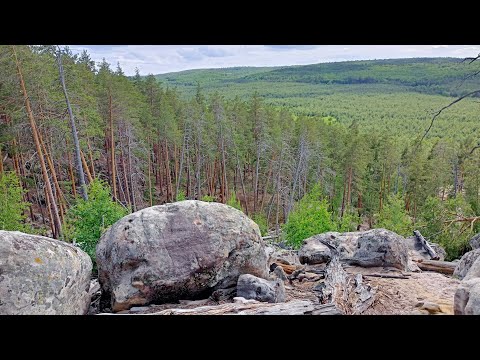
(267,135)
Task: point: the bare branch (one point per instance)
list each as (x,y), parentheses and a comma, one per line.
(471,59)
(469,76)
(475,148)
(446,107)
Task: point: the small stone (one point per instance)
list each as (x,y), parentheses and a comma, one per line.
(280,273)
(137,309)
(138,284)
(193,302)
(252,287)
(418,312)
(242,300)
(430,307)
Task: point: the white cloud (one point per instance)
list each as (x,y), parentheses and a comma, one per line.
(158,59)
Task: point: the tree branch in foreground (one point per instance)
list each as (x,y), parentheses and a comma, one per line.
(444,108)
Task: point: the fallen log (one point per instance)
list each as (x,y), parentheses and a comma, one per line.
(252,307)
(426,245)
(443,267)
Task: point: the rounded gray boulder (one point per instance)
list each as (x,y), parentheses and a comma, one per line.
(182,250)
(465,263)
(42,276)
(376,247)
(475,241)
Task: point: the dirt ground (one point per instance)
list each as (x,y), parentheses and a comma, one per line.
(395,296)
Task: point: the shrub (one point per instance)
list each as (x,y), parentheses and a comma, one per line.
(12,206)
(207,198)
(261,221)
(234,202)
(87,220)
(180,196)
(347,223)
(435,217)
(310,216)
(394,217)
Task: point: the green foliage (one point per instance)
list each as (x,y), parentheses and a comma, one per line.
(207,198)
(347,223)
(233,201)
(436,216)
(261,221)
(310,216)
(87,220)
(393,216)
(181,196)
(393,97)
(12,205)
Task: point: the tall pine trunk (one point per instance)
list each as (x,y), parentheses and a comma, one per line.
(48,186)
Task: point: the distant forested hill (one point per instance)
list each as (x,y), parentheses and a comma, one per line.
(443,76)
(396,97)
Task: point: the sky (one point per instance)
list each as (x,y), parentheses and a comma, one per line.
(159,59)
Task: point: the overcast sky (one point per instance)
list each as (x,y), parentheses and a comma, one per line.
(158,59)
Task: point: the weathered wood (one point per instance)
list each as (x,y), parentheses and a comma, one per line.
(252,307)
(289,269)
(386,276)
(426,245)
(76,143)
(269,237)
(85,167)
(443,267)
(346,291)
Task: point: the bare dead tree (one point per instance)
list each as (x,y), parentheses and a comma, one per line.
(78,160)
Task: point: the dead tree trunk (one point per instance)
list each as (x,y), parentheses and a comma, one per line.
(70,173)
(149,173)
(1,161)
(76,144)
(130,170)
(48,185)
(443,267)
(85,166)
(426,245)
(112,147)
(253,307)
(347,292)
(61,205)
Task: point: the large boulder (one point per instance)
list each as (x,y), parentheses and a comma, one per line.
(252,287)
(466,263)
(376,247)
(467,298)
(474,271)
(42,276)
(475,241)
(183,250)
(314,252)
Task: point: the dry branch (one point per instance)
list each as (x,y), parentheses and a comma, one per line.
(443,267)
(426,245)
(252,307)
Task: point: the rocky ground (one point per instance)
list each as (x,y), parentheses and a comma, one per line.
(425,293)
(159,259)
